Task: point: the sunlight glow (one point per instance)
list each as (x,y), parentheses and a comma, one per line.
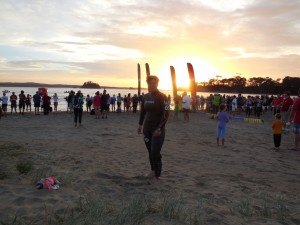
(203,71)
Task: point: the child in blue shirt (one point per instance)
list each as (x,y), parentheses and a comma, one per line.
(223,119)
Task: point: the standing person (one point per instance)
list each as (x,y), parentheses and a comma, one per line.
(4,100)
(248,106)
(22,101)
(277,101)
(13,102)
(240,103)
(104,108)
(113,103)
(46,103)
(135,101)
(78,107)
(234,104)
(124,102)
(217,99)
(55,101)
(37,103)
(186,105)
(153,117)
(119,102)
(70,100)
(97,103)
(176,109)
(277,126)
(202,103)
(108,102)
(89,103)
(128,103)
(223,119)
(295,118)
(286,107)
(28,102)
(258,106)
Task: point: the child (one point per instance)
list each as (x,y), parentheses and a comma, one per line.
(223,119)
(277,126)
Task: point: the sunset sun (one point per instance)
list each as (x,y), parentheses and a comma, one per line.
(203,71)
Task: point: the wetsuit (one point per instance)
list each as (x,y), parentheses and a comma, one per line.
(154,115)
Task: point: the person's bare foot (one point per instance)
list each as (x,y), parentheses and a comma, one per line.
(154,180)
(150,174)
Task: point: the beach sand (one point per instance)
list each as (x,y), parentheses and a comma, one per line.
(102,164)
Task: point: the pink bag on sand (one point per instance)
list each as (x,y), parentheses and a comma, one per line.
(48,183)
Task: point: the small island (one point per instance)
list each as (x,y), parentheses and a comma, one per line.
(90,84)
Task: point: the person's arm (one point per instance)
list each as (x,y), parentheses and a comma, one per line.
(292,114)
(142,116)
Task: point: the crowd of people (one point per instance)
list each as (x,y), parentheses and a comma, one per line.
(154,112)
(284,108)
(42,102)
(23,101)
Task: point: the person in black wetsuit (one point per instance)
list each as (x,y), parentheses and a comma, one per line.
(153,117)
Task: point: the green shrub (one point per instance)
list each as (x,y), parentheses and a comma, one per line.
(24,167)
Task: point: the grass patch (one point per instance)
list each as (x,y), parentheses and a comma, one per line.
(266,206)
(244,207)
(133,211)
(139,208)
(172,206)
(281,208)
(23,167)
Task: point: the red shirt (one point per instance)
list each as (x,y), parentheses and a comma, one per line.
(286,104)
(277,101)
(296,108)
(97,101)
(13,98)
(46,99)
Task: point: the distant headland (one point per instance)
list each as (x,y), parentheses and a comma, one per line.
(34,84)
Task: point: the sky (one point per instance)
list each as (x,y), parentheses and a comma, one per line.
(73,41)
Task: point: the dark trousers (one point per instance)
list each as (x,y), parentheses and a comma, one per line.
(154,145)
(77,113)
(248,111)
(277,140)
(46,107)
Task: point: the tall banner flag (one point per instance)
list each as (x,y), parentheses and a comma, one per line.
(174,85)
(139,79)
(147,70)
(192,80)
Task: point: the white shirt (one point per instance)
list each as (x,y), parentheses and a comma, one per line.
(55,98)
(186,102)
(234,102)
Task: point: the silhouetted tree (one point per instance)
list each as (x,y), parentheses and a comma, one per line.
(90,84)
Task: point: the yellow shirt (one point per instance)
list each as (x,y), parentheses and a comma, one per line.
(277,126)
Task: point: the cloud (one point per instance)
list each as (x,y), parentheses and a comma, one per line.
(89,36)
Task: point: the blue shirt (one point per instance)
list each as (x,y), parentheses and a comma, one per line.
(222,118)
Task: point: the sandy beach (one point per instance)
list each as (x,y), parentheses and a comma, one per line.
(101,167)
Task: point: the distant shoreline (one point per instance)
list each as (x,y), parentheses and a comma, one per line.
(32,84)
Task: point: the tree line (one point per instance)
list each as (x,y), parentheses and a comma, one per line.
(254,85)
